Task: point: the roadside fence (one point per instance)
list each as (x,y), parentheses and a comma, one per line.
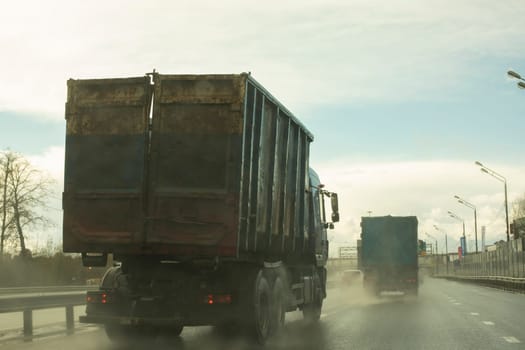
(503,266)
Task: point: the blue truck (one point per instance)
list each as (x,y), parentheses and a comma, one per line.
(389,254)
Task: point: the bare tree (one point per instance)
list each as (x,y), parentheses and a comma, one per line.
(26,191)
(6,161)
(518,207)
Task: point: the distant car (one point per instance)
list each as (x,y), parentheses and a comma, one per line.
(351,277)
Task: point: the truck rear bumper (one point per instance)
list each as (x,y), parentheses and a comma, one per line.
(195,316)
(131,321)
(375,284)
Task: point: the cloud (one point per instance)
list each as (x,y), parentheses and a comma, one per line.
(308,52)
(51,160)
(425,189)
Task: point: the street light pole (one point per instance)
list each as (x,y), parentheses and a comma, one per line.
(446,244)
(506,210)
(443,232)
(437,253)
(472,206)
(504,180)
(463,221)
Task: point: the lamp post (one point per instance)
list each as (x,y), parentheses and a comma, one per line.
(437,252)
(512,74)
(446,244)
(434,240)
(452,215)
(471,206)
(504,180)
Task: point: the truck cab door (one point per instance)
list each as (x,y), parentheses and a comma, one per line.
(317,227)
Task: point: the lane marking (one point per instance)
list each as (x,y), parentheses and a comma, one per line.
(457,303)
(474,313)
(324,315)
(511,340)
(488,323)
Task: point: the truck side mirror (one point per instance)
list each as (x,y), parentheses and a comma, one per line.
(335,207)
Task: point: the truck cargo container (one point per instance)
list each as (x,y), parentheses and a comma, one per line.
(389,254)
(199,186)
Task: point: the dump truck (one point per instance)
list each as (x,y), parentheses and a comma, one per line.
(199,189)
(389,254)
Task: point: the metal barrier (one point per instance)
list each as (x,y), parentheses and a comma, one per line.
(503,267)
(47,289)
(27,304)
(506,283)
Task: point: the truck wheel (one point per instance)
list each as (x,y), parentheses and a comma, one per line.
(170,332)
(278,306)
(261,309)
(174,331)
(312,311)
(116,333)
(124,335)
(177,330)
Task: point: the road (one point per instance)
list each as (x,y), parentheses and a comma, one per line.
(446,315)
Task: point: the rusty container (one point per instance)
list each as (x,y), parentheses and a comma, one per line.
(184,166)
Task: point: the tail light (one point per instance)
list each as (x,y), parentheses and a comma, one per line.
(212,299)
(99,297)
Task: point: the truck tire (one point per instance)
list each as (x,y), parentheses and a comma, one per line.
(173,331)
(117,333)
(176,331)
(312,311)
(278,306)
(128,335)
(262,311)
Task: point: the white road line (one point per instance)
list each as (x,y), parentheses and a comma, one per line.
(511,340)
(488,323)
(324,315)
(457,303)
(474,313)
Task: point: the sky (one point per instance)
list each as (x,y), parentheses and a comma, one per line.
(402,96)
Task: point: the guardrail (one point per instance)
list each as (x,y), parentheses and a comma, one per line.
(26,300)
(47,289)
(28,303)
(506,283)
